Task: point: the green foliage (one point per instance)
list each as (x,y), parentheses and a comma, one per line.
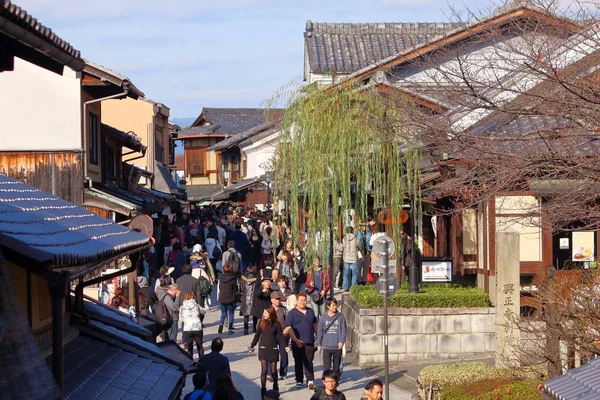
(491,389)
(331,138)
(444,375)
(442,295)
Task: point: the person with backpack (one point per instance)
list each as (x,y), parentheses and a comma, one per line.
(200,392)
(187,283)
(170,304)
(190,313)
(228,290)
(331,335)
(329,392)
(234,258)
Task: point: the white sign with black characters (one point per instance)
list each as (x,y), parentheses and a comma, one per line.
(436,271)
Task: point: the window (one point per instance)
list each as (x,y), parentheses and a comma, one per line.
(235,163)
(194,162)
(93,138)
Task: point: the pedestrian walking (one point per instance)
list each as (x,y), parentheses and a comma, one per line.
(301,325)
(262,297)
(317,286)
(286,266)
(268,335)
(266,247)
(200,392)
(373,390)
(351,250)
(171,302)
(329,392)
(145,290)
(228,290)
(234,258)
(226,390)
(338,262)
(187,283)
(215,363)
(254,249)
(189,314)
(177,259)
(288,298)
(281,312)
(248,287)
(331,336)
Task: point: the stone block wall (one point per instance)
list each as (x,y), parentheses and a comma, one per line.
(419,334)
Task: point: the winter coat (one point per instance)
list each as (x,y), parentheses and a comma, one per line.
(351,248)
(268,339)
(189,315)
(261,301)
(248,287)
(338,249)
(228,285)
(325,280)
(254,250)
(177,260)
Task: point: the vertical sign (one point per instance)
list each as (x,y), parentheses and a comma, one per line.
(508,298)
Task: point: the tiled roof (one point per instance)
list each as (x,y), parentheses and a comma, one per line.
(18,16)
(128,139)
(234,140)
(111,316)
(51,230)
(201,192)
(343,48)
(94,369)
(113,77)
(197,130)
(578,383)
(232,121)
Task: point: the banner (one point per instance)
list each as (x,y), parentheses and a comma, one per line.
(583,246)
(436,271)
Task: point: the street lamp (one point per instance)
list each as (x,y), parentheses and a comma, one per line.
(331,273)
(413,273)
(268,180)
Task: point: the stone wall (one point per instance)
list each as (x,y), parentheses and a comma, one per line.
(419,334)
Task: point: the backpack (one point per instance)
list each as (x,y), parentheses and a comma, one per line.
(205,288)
(235,261)
(160,310)
(217,252)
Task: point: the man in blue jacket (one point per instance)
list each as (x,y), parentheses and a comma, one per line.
(331,336)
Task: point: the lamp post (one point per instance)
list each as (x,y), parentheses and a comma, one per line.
(413,275)
(268,180)
(331,275)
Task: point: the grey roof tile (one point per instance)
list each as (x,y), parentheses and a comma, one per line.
(342,48)
(51,230)
(232,121)
(200,192)
(18,16)
(576,383)
(235,140)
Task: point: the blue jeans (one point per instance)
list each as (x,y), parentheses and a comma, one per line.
(227,309)
(349,267)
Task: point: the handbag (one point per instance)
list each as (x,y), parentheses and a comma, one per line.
(315,296)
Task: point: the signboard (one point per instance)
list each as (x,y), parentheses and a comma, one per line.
(436,271)
(388,282)
(385,217)
(583,246)
(563,243)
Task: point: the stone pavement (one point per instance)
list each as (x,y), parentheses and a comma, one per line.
(245,368)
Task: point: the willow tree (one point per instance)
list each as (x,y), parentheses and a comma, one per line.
(349,143)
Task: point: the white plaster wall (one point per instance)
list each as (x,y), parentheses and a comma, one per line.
(256,157)
(39,109)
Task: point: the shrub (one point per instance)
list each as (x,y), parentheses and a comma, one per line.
(430,296)
(443,375)
(491,389)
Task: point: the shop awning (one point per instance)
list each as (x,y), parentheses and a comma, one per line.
(203,192)
(120,200)
(163,182)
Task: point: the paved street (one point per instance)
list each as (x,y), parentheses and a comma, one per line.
(246,368)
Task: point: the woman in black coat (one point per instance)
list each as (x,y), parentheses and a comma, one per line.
(228,289)
(270,334)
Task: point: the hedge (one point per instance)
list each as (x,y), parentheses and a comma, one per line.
(438,295)
(443,375)
(492,389)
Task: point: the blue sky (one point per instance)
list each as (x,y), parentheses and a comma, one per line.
(190,54)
